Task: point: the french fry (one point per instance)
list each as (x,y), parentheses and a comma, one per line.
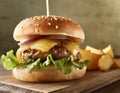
(108,50)
(94,50)
(105,62)
(100,58)
(117,62)
(92,57)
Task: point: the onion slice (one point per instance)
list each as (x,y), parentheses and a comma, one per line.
(32,38)
(29,39)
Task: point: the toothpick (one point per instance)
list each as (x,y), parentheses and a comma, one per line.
(47,7)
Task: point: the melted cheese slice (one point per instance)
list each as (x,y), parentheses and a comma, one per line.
(43,44)
(46,44)
(72,47)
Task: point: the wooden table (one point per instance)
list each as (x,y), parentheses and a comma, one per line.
(95,82)
(112,88)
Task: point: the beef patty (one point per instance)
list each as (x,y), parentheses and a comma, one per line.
(57,52)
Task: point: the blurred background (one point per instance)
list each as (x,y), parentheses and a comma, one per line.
(100,19)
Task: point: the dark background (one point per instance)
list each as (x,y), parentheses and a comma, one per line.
(100,19)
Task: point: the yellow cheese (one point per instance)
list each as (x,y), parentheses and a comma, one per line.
(43,44)
(72,47)
(46,44)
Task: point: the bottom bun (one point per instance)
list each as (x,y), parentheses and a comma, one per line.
(48,74)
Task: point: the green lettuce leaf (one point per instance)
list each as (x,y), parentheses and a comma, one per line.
(9,61)
(64,65)
(33,65)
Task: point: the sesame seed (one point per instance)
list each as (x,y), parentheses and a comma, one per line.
(56,26)
(33,18)
(42,16)
(49,24)
(37,24)
(55,18)
(36,30)
(37,17)
(51,19)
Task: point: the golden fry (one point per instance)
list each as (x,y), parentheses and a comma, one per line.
(105,62)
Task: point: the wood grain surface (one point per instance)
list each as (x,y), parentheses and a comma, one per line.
(91,81)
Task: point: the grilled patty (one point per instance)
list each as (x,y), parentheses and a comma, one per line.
(57,52)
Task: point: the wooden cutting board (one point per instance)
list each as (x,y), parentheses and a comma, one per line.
(91,81)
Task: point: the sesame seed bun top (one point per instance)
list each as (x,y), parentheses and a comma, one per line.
(48,25)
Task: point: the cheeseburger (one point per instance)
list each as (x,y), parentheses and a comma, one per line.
(48,50)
